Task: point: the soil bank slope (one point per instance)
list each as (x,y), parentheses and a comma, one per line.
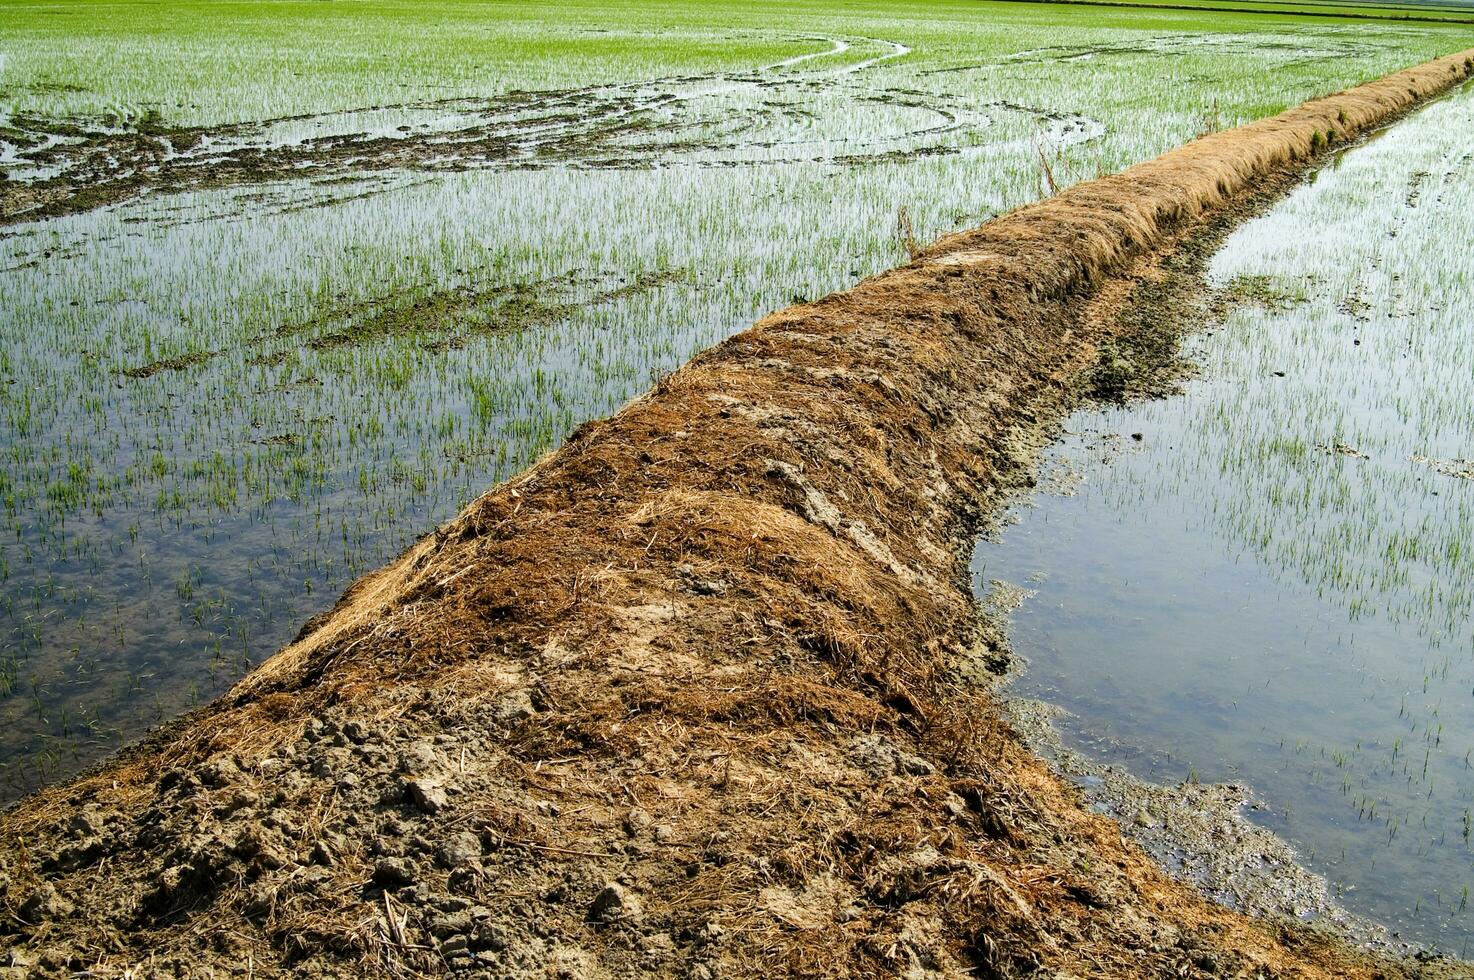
(692,696)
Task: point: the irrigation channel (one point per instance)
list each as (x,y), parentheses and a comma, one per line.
(1267,580)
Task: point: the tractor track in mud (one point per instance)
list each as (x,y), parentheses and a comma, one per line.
(698,694)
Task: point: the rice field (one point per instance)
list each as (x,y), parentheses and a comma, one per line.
(1268,581)
(1417,10)
(283,285)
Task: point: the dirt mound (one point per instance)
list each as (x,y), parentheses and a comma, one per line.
(696,695)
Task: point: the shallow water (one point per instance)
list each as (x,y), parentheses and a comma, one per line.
(1268,579)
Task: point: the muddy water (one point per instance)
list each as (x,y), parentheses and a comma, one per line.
(1267,581)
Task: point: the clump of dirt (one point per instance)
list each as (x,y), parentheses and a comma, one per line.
(1461,469)
(179,363)
(1341,449)
(694,695)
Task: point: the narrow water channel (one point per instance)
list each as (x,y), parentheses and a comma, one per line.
(1268,579)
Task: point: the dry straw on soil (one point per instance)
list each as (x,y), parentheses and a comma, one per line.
(691,696)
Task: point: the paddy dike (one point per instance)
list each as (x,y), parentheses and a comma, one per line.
(698,694)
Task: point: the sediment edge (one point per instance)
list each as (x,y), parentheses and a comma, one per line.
(696,694)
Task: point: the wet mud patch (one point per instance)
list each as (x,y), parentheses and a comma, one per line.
(443,320)
(805,110)
(1459,469)
(447,319)
(437,320)
(179,362)
(1198,833)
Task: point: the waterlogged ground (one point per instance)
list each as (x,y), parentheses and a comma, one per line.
(281,295)
(1269,580)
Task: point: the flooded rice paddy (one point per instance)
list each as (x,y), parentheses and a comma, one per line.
(304,308)
(1268,580)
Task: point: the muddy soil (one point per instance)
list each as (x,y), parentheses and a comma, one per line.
(441,318)
(68,166)
(697,694)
